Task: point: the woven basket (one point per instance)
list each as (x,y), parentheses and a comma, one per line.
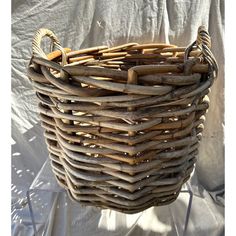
(123,124)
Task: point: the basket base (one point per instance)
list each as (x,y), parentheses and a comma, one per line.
(130,207)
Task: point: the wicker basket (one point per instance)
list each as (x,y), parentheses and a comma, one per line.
(123,124)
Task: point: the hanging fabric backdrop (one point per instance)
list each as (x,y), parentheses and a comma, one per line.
(87,23)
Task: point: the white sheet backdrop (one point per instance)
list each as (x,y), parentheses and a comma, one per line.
(87,23)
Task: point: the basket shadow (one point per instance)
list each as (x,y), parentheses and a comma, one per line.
(153,221)
(28,153)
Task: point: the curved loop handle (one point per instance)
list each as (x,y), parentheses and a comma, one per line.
(203,37)
(203,43)
(36,44)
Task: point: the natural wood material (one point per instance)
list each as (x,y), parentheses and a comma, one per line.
(123,124)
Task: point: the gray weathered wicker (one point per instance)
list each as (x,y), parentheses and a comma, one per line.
(123,124)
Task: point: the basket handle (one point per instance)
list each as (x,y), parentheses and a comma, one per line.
(203,43)
(203,37)
(36,44)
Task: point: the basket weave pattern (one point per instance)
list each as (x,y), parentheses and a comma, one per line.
(123,124)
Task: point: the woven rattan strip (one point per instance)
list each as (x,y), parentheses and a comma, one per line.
(123,124)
